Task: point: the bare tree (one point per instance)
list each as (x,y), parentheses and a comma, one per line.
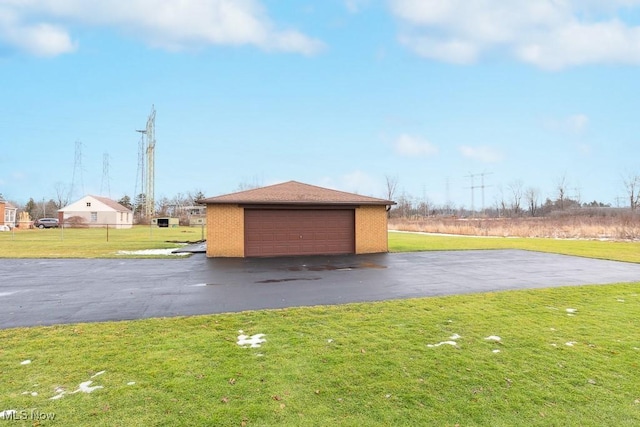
(62,195)
(250,184)
(392,186)
(632,185)
(561,188)
(501,204)
(515,187)
(531,195)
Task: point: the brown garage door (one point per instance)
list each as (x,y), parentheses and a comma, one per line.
(274,232)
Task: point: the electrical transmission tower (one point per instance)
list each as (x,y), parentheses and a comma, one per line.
(104,184)
(77,172)
(473,187)
(145,176)
(138,196)
(151,149)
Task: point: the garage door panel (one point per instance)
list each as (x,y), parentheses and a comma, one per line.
(274,232)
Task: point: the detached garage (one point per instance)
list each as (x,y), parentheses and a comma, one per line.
(295,219)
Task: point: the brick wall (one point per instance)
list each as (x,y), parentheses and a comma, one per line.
(2,205)
(371,229)
(225,231)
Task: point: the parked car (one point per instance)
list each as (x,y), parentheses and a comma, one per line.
(46,223)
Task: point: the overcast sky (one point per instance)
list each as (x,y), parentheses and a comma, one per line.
(337,93)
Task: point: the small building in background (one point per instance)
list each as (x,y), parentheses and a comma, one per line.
(96,211)
(7,214)
(165,222)
(196,215)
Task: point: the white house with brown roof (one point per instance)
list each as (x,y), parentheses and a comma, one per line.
(293,218)
(95,211)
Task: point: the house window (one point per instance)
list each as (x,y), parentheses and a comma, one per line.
(94,216)
(121,216)
(88,204)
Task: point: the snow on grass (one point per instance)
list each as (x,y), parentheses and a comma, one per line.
(25,362)
(84,387)
(493,338)
(451,341)
(443,343)
(153,252)
(251,341)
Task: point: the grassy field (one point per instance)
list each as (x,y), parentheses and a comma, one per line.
(611,250)
(92,242)
(350,365)
(565,356)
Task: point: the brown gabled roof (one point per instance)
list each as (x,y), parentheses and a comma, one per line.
(112,204)
(295,193)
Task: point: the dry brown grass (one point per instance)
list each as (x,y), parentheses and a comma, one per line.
(562,227)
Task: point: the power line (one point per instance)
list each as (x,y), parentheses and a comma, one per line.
(473,187)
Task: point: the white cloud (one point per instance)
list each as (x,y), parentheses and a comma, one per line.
(577,123)
(356,181)
(549,34)
(167,24)
(407,145)
(574,124)
(483,154)
(355,6)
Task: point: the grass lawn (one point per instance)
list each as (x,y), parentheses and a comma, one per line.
(565,356)
(92,242)
(351,365)
(611,250)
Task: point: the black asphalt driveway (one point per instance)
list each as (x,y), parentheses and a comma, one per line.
(45,292)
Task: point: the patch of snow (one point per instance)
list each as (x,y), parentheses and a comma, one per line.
(443,343)
(620,300)
(329,340)
(85,387)
(252,341)
(496,351)
(493,338)
(57,396)
(199,285)
(153,252)
(32,393)
(572,310)
(98,373)
(7,414)
(571,343)
(455,337)
(25,362)
(554,345)
(131,383)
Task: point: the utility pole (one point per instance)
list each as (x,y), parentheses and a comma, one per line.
(482,186)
